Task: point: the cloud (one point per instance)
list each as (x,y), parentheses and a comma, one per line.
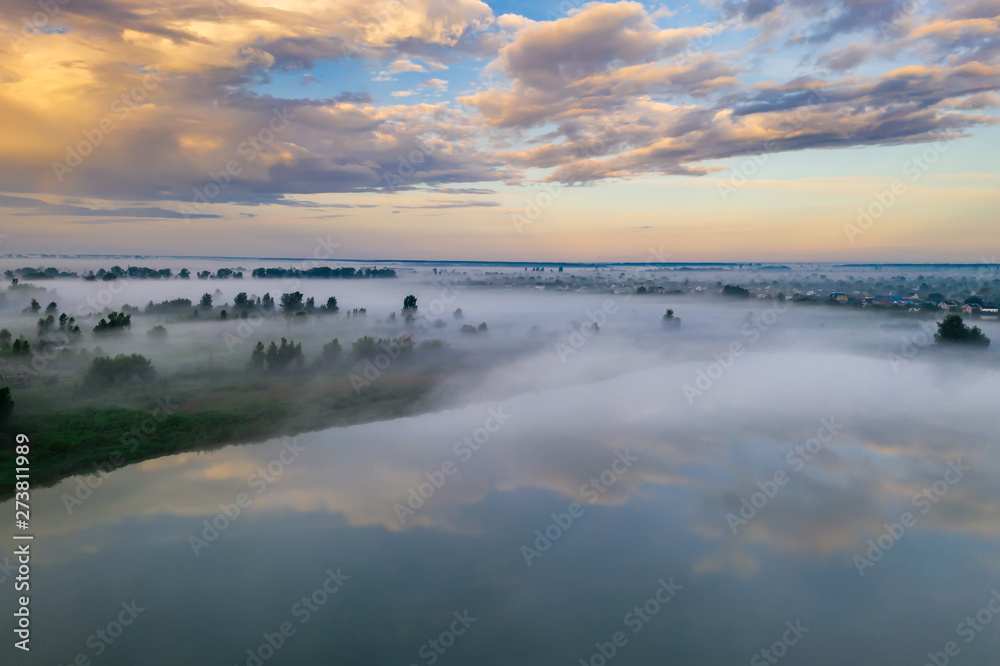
(441,204)
(619,100)
(845,58)
(463,190)
(406,65)
(601,93)
(33,207)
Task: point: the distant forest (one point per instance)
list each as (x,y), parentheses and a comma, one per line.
(143,273)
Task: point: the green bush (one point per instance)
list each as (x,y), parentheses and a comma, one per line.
(105,371)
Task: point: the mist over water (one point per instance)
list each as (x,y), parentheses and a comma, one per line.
(813,481)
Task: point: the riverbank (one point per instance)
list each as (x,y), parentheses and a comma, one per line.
(69,438)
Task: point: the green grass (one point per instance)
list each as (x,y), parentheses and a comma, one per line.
(72,432)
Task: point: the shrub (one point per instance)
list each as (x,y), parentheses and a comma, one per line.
(105,371)
(279,358)
(331,351)
(953,331)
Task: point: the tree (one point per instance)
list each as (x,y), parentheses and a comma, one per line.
(410,303)
(105,371)
(670,321)
(278,358)
(241,302)
(364,347)
(4,340)
(185,274)
(51,308)
(206,301)
(734,291)
(116,322)
(953,331)
(291,303)
(267,303)
(6,407)
(331,304)
(21,347)
(258,357)
(331,351)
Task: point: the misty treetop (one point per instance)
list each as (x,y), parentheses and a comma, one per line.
(145,273)
(324,272)
(105,371)
(953,331)
(115,322)
(277,358)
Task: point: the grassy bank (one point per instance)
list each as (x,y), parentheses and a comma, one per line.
(72,433)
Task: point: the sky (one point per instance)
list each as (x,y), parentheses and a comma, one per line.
(720,130)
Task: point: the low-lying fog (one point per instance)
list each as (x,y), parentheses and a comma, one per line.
(782,463)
